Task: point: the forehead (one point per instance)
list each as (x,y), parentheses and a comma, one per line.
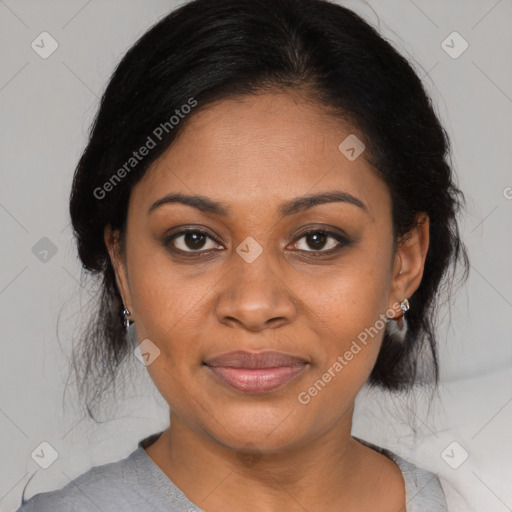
(262,148)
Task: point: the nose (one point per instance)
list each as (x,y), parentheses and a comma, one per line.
(255,297)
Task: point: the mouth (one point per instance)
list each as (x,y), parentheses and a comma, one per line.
(256,372)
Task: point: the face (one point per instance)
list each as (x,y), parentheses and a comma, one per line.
(255,267)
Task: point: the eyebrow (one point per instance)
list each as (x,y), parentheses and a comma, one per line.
(291,207)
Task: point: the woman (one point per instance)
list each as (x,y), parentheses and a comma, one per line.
(267,198)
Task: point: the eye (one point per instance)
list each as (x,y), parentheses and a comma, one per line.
(321,241)
(191,241)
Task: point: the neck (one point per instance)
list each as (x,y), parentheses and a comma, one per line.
(312,475)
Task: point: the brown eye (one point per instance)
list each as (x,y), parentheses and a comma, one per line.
(316,241)
(321,241)
(191,241)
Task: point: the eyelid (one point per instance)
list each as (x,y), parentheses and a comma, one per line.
(170,238)
(342,240)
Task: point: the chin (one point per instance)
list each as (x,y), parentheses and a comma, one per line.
(258,429)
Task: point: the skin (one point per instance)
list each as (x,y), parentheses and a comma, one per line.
(224,449)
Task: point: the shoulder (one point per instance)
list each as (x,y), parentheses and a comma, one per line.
(111,486)
(424,489)
(428,491)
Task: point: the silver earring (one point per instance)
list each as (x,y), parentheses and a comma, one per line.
(125,320)
(130,333)
(404,305)
(398,328)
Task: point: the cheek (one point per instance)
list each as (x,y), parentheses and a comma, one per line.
(162,292)
(348,309)
(166,308)
(351,296)
(349,356)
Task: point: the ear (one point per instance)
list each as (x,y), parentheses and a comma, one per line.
(409,262)
(112,241)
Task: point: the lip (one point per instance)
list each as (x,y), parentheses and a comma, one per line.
(256,372)
(252,360)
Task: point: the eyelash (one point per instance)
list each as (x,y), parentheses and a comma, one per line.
(343,242)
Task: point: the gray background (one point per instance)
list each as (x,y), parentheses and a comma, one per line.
(46,107)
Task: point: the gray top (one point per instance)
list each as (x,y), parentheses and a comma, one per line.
(137,483)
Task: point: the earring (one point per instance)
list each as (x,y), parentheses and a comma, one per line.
(125,321)
(398,328)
